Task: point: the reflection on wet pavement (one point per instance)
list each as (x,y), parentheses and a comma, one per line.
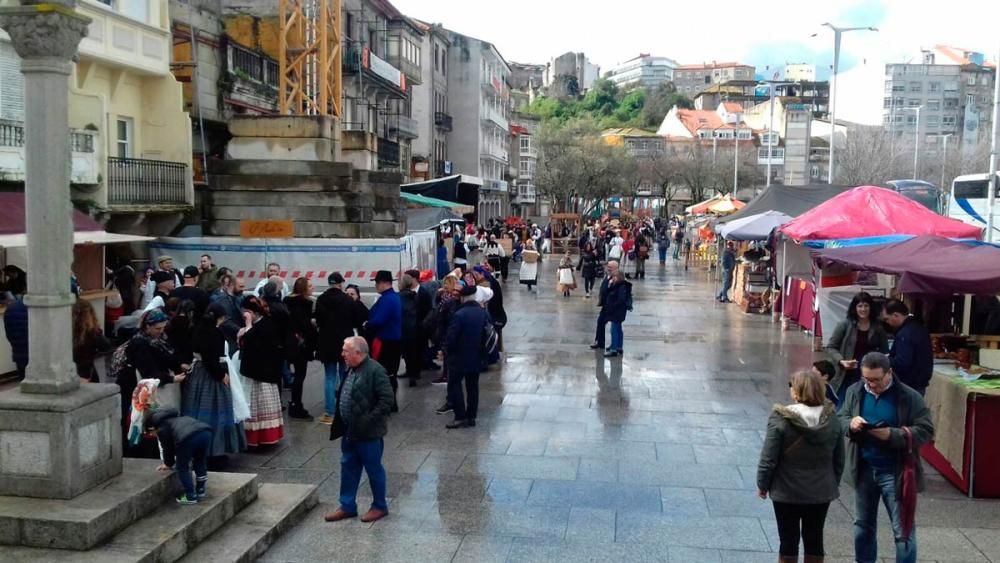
(651,457)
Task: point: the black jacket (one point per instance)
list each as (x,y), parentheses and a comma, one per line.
(304,335)
(210,344)
(616,300)
(411,323)
(912,356)
(589,265)
(495,305)
(371,401)
(172,429)
(464,341)
(337,315)
(261,356)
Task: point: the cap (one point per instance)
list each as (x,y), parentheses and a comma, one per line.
(335,279)
(160,277)
(190,272)
(383,276)
(164,258)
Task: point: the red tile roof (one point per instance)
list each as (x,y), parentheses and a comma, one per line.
(957,55)
(732,107)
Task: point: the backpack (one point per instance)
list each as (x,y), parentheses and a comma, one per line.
(490,340)
(120,362)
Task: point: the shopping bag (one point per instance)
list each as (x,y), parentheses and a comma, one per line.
(566,276)
(241,408)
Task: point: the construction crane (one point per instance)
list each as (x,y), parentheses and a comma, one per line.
(309,54)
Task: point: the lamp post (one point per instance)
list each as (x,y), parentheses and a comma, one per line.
(837,32)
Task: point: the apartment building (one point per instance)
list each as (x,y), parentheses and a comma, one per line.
(129,133)
(953,89)
(523,161)
(430,106)
(692,79)
(645,70)
(479,99)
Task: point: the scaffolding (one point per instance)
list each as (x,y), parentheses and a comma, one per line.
(309,57)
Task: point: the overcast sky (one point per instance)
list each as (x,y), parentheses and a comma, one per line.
(767,33)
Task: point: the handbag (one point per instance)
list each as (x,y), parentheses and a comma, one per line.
(241,408)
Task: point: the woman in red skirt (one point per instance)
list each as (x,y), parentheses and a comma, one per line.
(261,363)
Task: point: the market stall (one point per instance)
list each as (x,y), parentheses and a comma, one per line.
(569,222)
(964,398)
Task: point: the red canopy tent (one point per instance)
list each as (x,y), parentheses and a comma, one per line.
(870,211)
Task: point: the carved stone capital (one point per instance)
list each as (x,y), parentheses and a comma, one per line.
(45,30)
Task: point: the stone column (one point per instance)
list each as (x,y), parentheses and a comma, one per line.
(56,438)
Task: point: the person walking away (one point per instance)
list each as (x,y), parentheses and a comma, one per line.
(89,341)
(261,362)
(887,422)
(617,303)
(15,325)
(728,265)
(588,267)
(337,317)
(800,466)
(191,292)
(364,400)
(641,255)
(463,354)
(208,274)
(413,344)
(662,244)
(207,396)
(854,337)
(678,240)
(302,342)
(385,325)
(530,258)
(460,252)
(184,442)
(602,320)
(912,355)
(566,281)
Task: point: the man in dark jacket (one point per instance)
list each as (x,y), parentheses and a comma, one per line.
(602,321)
(15,324)
(188,440)
(877,412)
(365,399)
(463,354)
(413,341)
(191,292)
(336,318)
(912,355)
(385,328)
(728,265)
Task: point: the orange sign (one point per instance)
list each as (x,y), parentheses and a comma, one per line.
(267,228)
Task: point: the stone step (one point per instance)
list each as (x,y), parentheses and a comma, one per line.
(251,532)
(92,517)
(251,167)
(166,534)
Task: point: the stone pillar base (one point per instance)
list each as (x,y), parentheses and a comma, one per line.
(58,446)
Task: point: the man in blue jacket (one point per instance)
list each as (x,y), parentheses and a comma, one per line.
(385,329)
(912,355)
(463,356)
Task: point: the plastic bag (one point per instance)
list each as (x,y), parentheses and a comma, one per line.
(241,408)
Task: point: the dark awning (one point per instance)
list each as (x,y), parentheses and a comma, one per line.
(457,188)
(790,200)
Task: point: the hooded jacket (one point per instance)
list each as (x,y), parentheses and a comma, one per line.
(172,429)
(803,456)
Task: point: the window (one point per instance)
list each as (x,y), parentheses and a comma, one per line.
(970,99)
(913,103)
(915,87)
(972,80)
(437,62)
(933,105)
(708,79)
(934,87)
(933,120)
(898,87)
(743,134)
(125,138)
(348,24)
(814,171)
(911,120)
(948,120)
(525,141)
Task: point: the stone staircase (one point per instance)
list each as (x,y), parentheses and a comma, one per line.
(133,518)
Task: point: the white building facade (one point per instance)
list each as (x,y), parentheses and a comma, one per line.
(645,70)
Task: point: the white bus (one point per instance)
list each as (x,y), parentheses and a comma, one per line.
(969,198)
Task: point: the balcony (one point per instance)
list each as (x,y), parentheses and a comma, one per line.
(388,154)
(496,151)
(442,121)
(142,182)
(127,33)
(525,194)
(777,155)
(490,184)
(84,168)
(252,78)
(403,126)
(529,152)
(377,70)
(491,114)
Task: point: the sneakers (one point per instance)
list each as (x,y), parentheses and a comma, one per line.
(186,500)
(326,419)
(444,409)
(199,489)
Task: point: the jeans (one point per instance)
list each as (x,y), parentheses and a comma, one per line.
(617,336)
(727,280)
(466,408)
(874,484)
(812,518)
(663,254)
(677,250)
(194,449)
(354,456)
(601,323)
(588,284)
(334,371)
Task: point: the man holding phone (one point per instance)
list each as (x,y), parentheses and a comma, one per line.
(879,411)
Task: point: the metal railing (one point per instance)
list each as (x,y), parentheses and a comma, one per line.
(776,153)
(12,135)
(404,126)
(442,121)
(388,153)
(82,141)
(138,181)
(252,65)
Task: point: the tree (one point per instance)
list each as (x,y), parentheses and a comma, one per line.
(693,169)
(661,171)
(658,102)
(867,155)
(574,162)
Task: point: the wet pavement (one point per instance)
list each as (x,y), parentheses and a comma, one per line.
(650,457)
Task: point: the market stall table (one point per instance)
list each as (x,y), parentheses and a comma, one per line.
(966,446)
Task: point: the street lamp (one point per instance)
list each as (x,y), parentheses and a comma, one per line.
(916,141)
(837,32)
(944,154)
(770,127)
